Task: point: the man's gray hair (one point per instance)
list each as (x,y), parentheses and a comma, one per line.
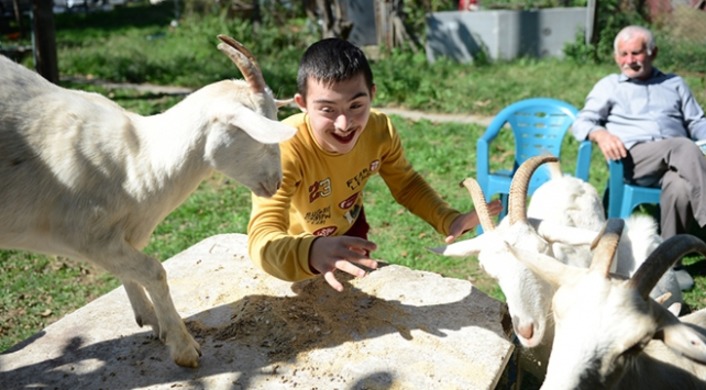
(632,31)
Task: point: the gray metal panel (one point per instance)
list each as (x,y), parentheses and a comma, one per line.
(503,34)
(450,34)
(362,14)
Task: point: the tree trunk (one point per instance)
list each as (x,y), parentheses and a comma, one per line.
(333,16)
(45,60)
(18,15)
(392,30)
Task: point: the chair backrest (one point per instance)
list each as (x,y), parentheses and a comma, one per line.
(539,126)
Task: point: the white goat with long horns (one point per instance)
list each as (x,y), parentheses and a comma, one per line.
(609,333)
(83,178)
(527,296)
(570,201)
(567,216)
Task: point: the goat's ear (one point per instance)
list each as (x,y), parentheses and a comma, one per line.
(470,247)
(283,102)
(262,129)
(680,336)
(567,235)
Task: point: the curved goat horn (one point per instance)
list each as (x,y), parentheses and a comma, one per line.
(479,203)
(659,261)
(244,60)
(517,202)
(607,244)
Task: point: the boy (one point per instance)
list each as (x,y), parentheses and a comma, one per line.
(316,224)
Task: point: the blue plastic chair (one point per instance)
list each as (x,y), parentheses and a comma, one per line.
(624,197)
(538,126)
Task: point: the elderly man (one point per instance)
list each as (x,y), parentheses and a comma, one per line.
(651,120)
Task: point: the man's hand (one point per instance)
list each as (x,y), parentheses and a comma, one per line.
(611,146)
(346,253)
(468,221)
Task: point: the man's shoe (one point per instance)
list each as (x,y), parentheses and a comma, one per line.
(686,282)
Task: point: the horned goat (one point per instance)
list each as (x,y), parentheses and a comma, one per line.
(561,201)
(570,201)
(526,295)
(83,178)
(609,333)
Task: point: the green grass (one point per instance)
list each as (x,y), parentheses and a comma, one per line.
(136,44)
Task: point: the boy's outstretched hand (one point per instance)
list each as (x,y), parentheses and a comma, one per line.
(346,253)
(468,221)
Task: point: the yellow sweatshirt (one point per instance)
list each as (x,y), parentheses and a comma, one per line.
(322,195)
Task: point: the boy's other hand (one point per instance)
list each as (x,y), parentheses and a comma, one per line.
(469,221)
(345,253)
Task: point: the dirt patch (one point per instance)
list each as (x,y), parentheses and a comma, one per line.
(315,318)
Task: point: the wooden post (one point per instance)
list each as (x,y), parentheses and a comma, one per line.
(44,40)
(18,14)
(381,24)
(591,19)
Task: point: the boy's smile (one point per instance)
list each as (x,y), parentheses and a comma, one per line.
(338,112)
(345,139)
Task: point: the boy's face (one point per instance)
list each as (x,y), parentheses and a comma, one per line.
(338,112)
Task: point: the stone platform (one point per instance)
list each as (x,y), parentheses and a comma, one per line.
(396,328)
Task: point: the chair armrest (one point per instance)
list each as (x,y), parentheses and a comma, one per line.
(583,160)
(616,181)
(482,163)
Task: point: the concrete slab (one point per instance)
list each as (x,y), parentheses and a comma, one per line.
(394,329)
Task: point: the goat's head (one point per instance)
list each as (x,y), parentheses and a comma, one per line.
(527,296)
(244,135)
(603,323)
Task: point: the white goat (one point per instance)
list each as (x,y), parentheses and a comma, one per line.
(526,295)
(83,178)
(609,334)
(561,201)
(570,201)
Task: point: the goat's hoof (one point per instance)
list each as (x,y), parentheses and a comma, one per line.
(185,350)
(188,356)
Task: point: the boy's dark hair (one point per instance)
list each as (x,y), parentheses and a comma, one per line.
(332,60)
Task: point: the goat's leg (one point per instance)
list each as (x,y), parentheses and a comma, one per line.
(129,264)
(141,306)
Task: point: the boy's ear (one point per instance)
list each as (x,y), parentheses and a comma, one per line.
(373,89)
(301,102)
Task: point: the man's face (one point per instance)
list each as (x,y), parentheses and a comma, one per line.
(632,58)
(338,112)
